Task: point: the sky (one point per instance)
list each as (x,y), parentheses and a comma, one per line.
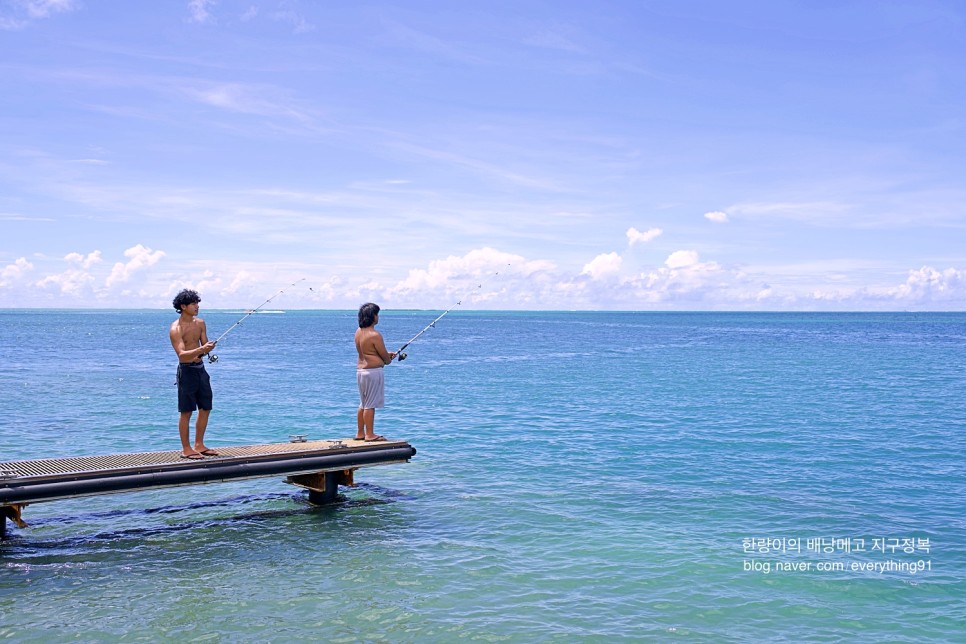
(521,155)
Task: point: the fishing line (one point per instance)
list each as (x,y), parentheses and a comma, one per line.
(212,358)
(400,355)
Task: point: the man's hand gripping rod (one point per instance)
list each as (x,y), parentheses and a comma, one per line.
(212,358)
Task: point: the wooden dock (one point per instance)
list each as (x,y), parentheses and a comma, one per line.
(319,466)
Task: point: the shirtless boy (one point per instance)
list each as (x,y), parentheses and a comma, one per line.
(189,337)
(373,356)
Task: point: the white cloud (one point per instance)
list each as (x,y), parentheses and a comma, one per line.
(242,278)
(199,10)
(928,285)
(483,278)
(84,262)
(23,11)
(462,272)
(717,216)
(681,259)
(685,279)
(634,236)
(15,271)
(73,282)
(603,266)
(43,8)
(925,288)
(141,257)
(210,282)
(325,292)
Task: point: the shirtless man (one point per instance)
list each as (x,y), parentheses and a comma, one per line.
(369,375)
(189,337)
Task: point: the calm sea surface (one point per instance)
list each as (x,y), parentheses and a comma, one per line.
(580,477)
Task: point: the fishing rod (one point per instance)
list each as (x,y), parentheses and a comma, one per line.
(212,358)
(400,355)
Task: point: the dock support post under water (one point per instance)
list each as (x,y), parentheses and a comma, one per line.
(329,492)
(323,487)
(11,512)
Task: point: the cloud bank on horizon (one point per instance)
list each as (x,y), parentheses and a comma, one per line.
(615,156)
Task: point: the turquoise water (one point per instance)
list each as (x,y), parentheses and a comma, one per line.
(579,477)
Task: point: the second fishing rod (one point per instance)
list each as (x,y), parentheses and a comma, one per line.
(212,358)
(402,355)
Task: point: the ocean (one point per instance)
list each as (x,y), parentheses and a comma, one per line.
(580,477)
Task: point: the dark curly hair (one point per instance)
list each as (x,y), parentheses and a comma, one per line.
(186,296)
(367,315)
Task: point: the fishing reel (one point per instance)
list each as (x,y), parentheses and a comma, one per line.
(212,358)
(401,356)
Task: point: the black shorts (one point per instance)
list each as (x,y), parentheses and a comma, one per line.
(194,387)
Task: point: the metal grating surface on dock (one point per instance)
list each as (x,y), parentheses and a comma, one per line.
(53,468)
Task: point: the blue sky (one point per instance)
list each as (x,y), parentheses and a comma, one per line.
(672,155)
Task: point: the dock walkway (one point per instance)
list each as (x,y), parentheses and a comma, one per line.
(319,466)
